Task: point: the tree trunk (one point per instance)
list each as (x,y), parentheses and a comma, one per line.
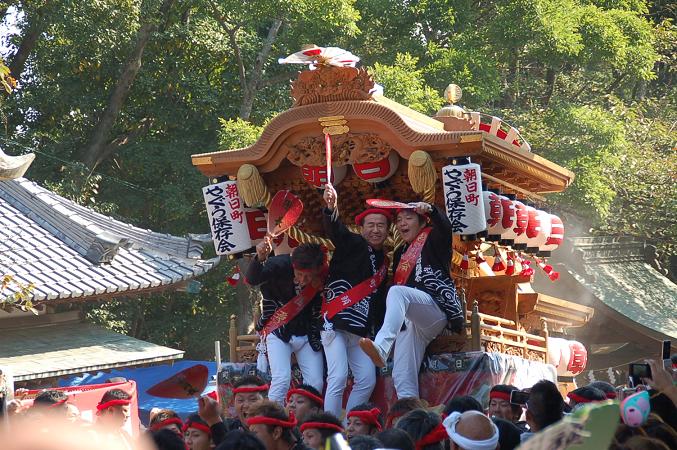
(95,151)
(30,38)
(254,83)
(550,78)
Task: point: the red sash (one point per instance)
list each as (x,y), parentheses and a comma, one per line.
(284,314)
(357,293)
(408,260)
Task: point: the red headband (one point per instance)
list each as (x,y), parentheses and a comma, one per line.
(250,389)
(610,395)
(578,398)
(310,395)
(500,395)
(108,404)
(437,434)
(369,417)
(59,403)
(197,426)
(160,425)
(321,426)
(291,423)
(360,217)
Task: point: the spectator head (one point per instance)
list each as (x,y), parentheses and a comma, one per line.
(396,439)
(662,406)
(363,420)
(499,403)
(316,428)
(51,402)
(166,439)
(643,443)
(462,404)
(114,408)
(308,261)
(508,434)
(545,405)
(240,440)
(166,419)
(269,422)
(607,388)
(401,407)
(196,433)
(248,390)
(304,400)
(425,429)
(585,394)
(365,443)
(471,430)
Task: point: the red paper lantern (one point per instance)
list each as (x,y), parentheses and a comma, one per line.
(556,235)
(521,222)
(377,171)
(317,175)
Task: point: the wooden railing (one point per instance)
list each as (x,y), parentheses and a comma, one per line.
(483,332)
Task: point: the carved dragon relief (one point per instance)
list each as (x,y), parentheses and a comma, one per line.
(330,84)
(347,149)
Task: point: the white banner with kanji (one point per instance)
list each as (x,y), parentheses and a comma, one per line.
(227,218)
(463,198)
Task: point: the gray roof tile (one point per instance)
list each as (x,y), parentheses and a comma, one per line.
(46,239)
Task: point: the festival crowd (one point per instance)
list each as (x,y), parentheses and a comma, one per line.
(345,315)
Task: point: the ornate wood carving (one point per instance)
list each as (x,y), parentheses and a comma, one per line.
(330,84)
(346,149)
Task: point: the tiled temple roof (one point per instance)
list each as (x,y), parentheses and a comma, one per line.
(71,252)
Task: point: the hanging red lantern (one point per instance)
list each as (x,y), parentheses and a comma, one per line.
(510,269)
(498,265)
(465,262)
(555,238)
(520,228)
(317,175)
(377,171)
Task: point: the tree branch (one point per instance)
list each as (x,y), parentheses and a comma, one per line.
(231,30)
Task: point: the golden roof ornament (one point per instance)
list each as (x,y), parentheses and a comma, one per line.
(452,94)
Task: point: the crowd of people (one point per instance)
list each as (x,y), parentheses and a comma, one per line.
(301,421)
(346,315)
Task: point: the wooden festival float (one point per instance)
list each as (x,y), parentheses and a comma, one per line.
(382,149)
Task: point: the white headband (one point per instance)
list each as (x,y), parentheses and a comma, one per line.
(465,443)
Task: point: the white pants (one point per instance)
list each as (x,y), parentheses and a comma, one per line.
(279,357)
(342,352)
(423,320)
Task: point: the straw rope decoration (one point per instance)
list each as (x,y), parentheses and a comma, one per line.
(422,175)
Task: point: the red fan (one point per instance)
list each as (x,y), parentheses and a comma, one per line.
(189,383)
(284,211)
(387,204)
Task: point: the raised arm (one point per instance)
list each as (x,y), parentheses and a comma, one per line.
(257,272)
(333,227)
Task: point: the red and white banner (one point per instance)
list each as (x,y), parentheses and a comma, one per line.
(85,398)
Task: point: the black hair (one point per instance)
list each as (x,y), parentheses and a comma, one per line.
(366,407)
(267,408)
(163,415)
(115,394)
(197,419)
(248,380)
(240,440)
(312,390)
(603,386)
(418,423)
(545,404)
(462,404)
(396,439)
(307,256)
(324,417)
(589,393)
(508,434)
(50,397)
(403,406)
(167,440)
(363,442)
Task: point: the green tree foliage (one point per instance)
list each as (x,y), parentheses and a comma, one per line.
(590,83)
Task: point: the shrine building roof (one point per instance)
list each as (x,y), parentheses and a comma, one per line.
(72,253)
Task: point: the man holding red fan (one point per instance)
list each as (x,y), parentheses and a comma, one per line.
(423,296)
(354,296)
(291,288)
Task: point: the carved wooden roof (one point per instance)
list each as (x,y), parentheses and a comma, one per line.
(404,129)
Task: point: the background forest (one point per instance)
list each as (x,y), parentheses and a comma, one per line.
(115,95)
